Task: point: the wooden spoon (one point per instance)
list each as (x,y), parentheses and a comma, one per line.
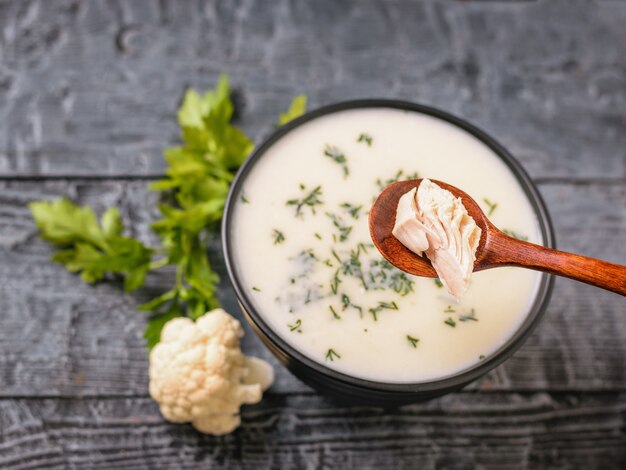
(494,249)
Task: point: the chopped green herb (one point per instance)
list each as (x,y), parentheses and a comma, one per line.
(279,237)
(438,283)
(382,184)
(296,326)
(449,309)
(334,312)
(513,234)
(361,246)
(352,267)
(400,283)
(345,303)
(450,322)
(383,274)
(354,211)
(412,340)
(328,263)
(344,230)
(469,316)
(244,199)
(481,357)
(365,138)
(318,236)
(254,288)
(382,306)
(331,354)
(336,256)
(310,200)
(334,285)
(492,205)
(338,157)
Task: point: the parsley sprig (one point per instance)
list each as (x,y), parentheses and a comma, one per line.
(194,189)
(95,249)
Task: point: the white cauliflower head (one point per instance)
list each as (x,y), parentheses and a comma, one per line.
(198,374)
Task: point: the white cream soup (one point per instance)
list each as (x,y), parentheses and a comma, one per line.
(301,246)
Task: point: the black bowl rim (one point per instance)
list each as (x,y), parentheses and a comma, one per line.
(457,380)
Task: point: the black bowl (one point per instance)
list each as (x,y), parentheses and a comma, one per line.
(365,391)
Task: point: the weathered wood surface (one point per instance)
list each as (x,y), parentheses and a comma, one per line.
(88,91)
(62,337)
(461,431)
(88,87)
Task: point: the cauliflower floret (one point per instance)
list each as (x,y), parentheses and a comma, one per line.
(198,374)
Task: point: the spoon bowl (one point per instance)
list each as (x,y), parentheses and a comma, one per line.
(495,247)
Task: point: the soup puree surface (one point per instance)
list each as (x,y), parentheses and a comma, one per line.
(326,290)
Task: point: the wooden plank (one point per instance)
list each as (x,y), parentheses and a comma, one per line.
(460,431)
(91,88)
(59,337)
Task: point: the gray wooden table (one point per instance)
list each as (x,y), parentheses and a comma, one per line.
(88,94)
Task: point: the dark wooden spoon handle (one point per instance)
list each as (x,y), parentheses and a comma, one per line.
(508,251)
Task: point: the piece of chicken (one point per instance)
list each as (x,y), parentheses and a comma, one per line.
(431,220)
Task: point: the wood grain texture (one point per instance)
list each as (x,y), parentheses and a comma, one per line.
(90,87)
(461,431)
(59,337)
(503,250)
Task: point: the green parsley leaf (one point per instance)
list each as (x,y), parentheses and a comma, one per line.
(195,186)
(296,109)
(152,333)
(95,250)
